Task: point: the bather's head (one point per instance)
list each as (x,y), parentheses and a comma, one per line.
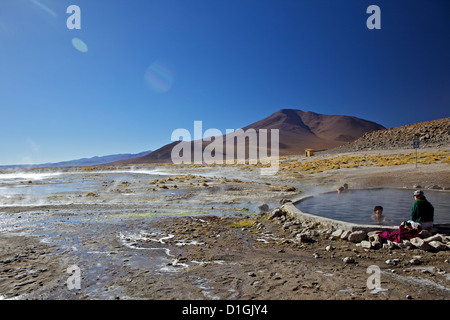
(378,210)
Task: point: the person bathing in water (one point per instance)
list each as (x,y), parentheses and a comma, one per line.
(378,216)
(342,189)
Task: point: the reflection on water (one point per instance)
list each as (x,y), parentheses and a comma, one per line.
(357,205)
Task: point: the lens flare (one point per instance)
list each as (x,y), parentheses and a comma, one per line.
(44,7)
(159,77)
(79,45)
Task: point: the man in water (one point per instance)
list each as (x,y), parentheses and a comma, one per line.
(422,212)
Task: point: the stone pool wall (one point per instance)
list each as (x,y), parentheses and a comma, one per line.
(292,210)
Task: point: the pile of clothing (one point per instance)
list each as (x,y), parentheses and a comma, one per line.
(404,232)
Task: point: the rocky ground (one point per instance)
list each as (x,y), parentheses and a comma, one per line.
(434,134)
(215,245)
(258,258)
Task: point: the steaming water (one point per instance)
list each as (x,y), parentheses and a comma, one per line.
(357,205)
(24,188)
(27,176)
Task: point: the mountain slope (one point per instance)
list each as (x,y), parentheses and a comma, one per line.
(435,133)
(298,130)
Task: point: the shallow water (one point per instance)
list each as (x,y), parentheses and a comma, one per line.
(357,205)
(50,188)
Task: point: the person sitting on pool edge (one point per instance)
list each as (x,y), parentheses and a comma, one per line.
(422,211)
(378,216)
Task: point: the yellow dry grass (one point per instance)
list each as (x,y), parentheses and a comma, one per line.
(355,161)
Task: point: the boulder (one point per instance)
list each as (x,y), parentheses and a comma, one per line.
(373,235)
(263,208)
(357,236)
(436,237)
(276,213)
(349,260)
(345,234)
(337,233)
(304,238)
(406,244)
(366,244)
(425,234)
(437,245)
(389,245)
(420,244)
(376,244)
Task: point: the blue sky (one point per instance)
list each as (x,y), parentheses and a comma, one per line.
(153,66)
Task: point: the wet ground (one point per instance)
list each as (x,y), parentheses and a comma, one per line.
(172,234)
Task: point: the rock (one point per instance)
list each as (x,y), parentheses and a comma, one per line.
(345,234)
(372,235)
(420,244)
(414,261)
(263,208)
(437,245)
(436,237)
(376,244)
(392,262)
(349,260)
(406,244)
(425,234)
(276,213)
(329,248)
(357,236)
(337,233)
(389,245)
(316,255)
(366,244)
(20,276)
(288,224)
(304,238)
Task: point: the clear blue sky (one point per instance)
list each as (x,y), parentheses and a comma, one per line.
(152,66)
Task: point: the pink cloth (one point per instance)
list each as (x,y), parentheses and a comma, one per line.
(399,235)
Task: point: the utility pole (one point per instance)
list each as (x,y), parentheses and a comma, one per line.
(416,145)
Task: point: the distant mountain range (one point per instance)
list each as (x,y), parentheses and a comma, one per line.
(298,130)
(94,161)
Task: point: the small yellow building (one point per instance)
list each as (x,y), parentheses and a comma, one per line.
(309,152)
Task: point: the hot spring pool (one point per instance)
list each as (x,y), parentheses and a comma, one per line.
(357,206)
